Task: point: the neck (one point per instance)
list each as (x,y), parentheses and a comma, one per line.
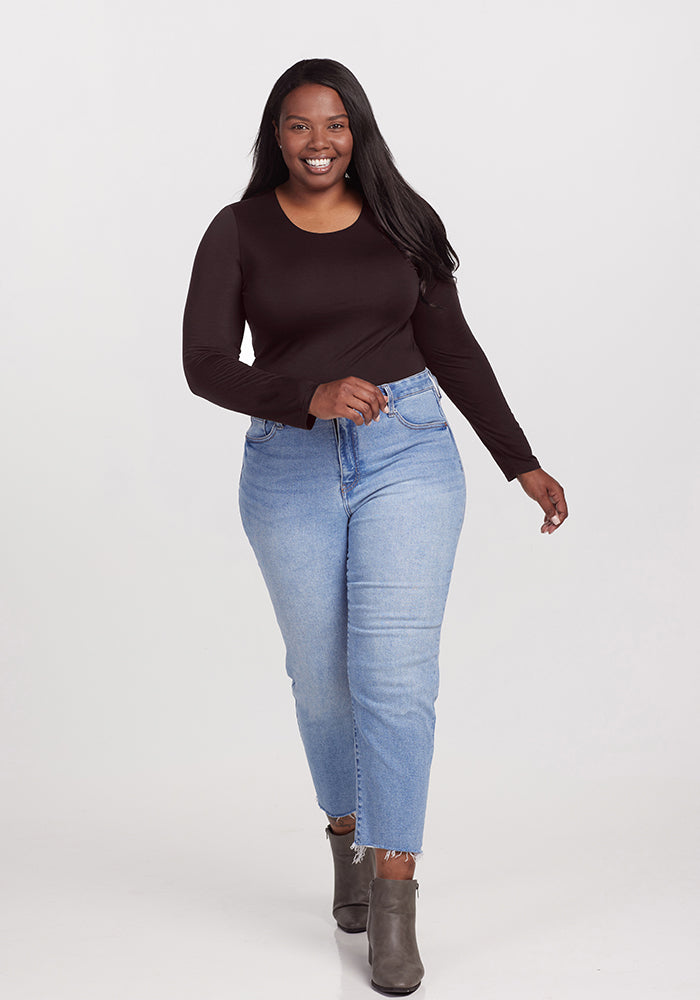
(322,200)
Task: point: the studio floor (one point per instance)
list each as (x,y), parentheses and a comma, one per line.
(553,892)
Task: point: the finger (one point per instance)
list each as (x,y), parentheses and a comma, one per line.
(551,515)
(550,511)
(554,505)
(556,498)
(356,415)
(354,400)
(370,391)
(368,401)
(366,409)
(378,402)
(552,523)
(559,502)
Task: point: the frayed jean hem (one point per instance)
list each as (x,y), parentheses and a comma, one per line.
(360,850)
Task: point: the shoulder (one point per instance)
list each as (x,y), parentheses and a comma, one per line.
(229,219)
(221,234)
(256,209)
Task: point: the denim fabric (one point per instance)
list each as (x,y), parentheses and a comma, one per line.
(355,531)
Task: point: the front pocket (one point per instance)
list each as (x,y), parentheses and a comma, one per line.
(420,409)
(261,430)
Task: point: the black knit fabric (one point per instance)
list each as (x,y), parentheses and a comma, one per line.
(324,306)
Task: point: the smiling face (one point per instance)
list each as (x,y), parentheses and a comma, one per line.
(314,133)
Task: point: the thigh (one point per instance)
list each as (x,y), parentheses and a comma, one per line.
(293,516)
(401,548)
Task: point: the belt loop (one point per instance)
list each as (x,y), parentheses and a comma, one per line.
(435,384)
(386,389)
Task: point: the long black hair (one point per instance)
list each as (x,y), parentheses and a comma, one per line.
(411,224)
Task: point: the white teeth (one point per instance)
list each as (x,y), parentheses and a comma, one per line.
(319,163)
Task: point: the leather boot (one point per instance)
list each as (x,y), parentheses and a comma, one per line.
(351,890)
(391,930)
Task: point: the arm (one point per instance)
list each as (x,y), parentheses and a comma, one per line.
(212,333)
(464,372)
(462,369)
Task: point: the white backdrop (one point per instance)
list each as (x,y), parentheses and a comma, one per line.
(161,834)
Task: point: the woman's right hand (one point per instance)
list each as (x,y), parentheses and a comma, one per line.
(344,397)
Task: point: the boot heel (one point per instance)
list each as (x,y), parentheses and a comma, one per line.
(397,969)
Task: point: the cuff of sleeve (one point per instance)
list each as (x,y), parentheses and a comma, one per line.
(524,467)
(309,418)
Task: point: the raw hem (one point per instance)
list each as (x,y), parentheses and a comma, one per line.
(332,818)
(360,850)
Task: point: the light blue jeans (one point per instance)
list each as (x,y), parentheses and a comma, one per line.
(355,531)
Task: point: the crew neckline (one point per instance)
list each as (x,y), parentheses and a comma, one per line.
(311,232)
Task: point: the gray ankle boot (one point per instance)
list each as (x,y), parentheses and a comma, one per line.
(351,890)
(391,929)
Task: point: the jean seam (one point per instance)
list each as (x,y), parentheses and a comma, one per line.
(436,387)
(415,392)
(418,427)
(459,457)
(336,431)
(358,772)
(353,445)
(344,487)
(265,437)
(407,395)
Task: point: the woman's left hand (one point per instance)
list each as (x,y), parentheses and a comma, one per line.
(549,494)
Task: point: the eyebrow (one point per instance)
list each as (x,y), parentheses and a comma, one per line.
(329,119)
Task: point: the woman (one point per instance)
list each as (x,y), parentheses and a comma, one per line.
(352,492)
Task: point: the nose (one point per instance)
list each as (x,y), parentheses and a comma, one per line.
(318,140)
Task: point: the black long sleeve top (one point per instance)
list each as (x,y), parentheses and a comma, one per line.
(324,306)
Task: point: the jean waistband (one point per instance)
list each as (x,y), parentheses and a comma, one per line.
(410,385)
(392,390)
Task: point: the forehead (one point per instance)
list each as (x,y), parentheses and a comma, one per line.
(312,99)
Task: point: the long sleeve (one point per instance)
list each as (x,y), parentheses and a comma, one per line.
(464,372)
(213,325)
